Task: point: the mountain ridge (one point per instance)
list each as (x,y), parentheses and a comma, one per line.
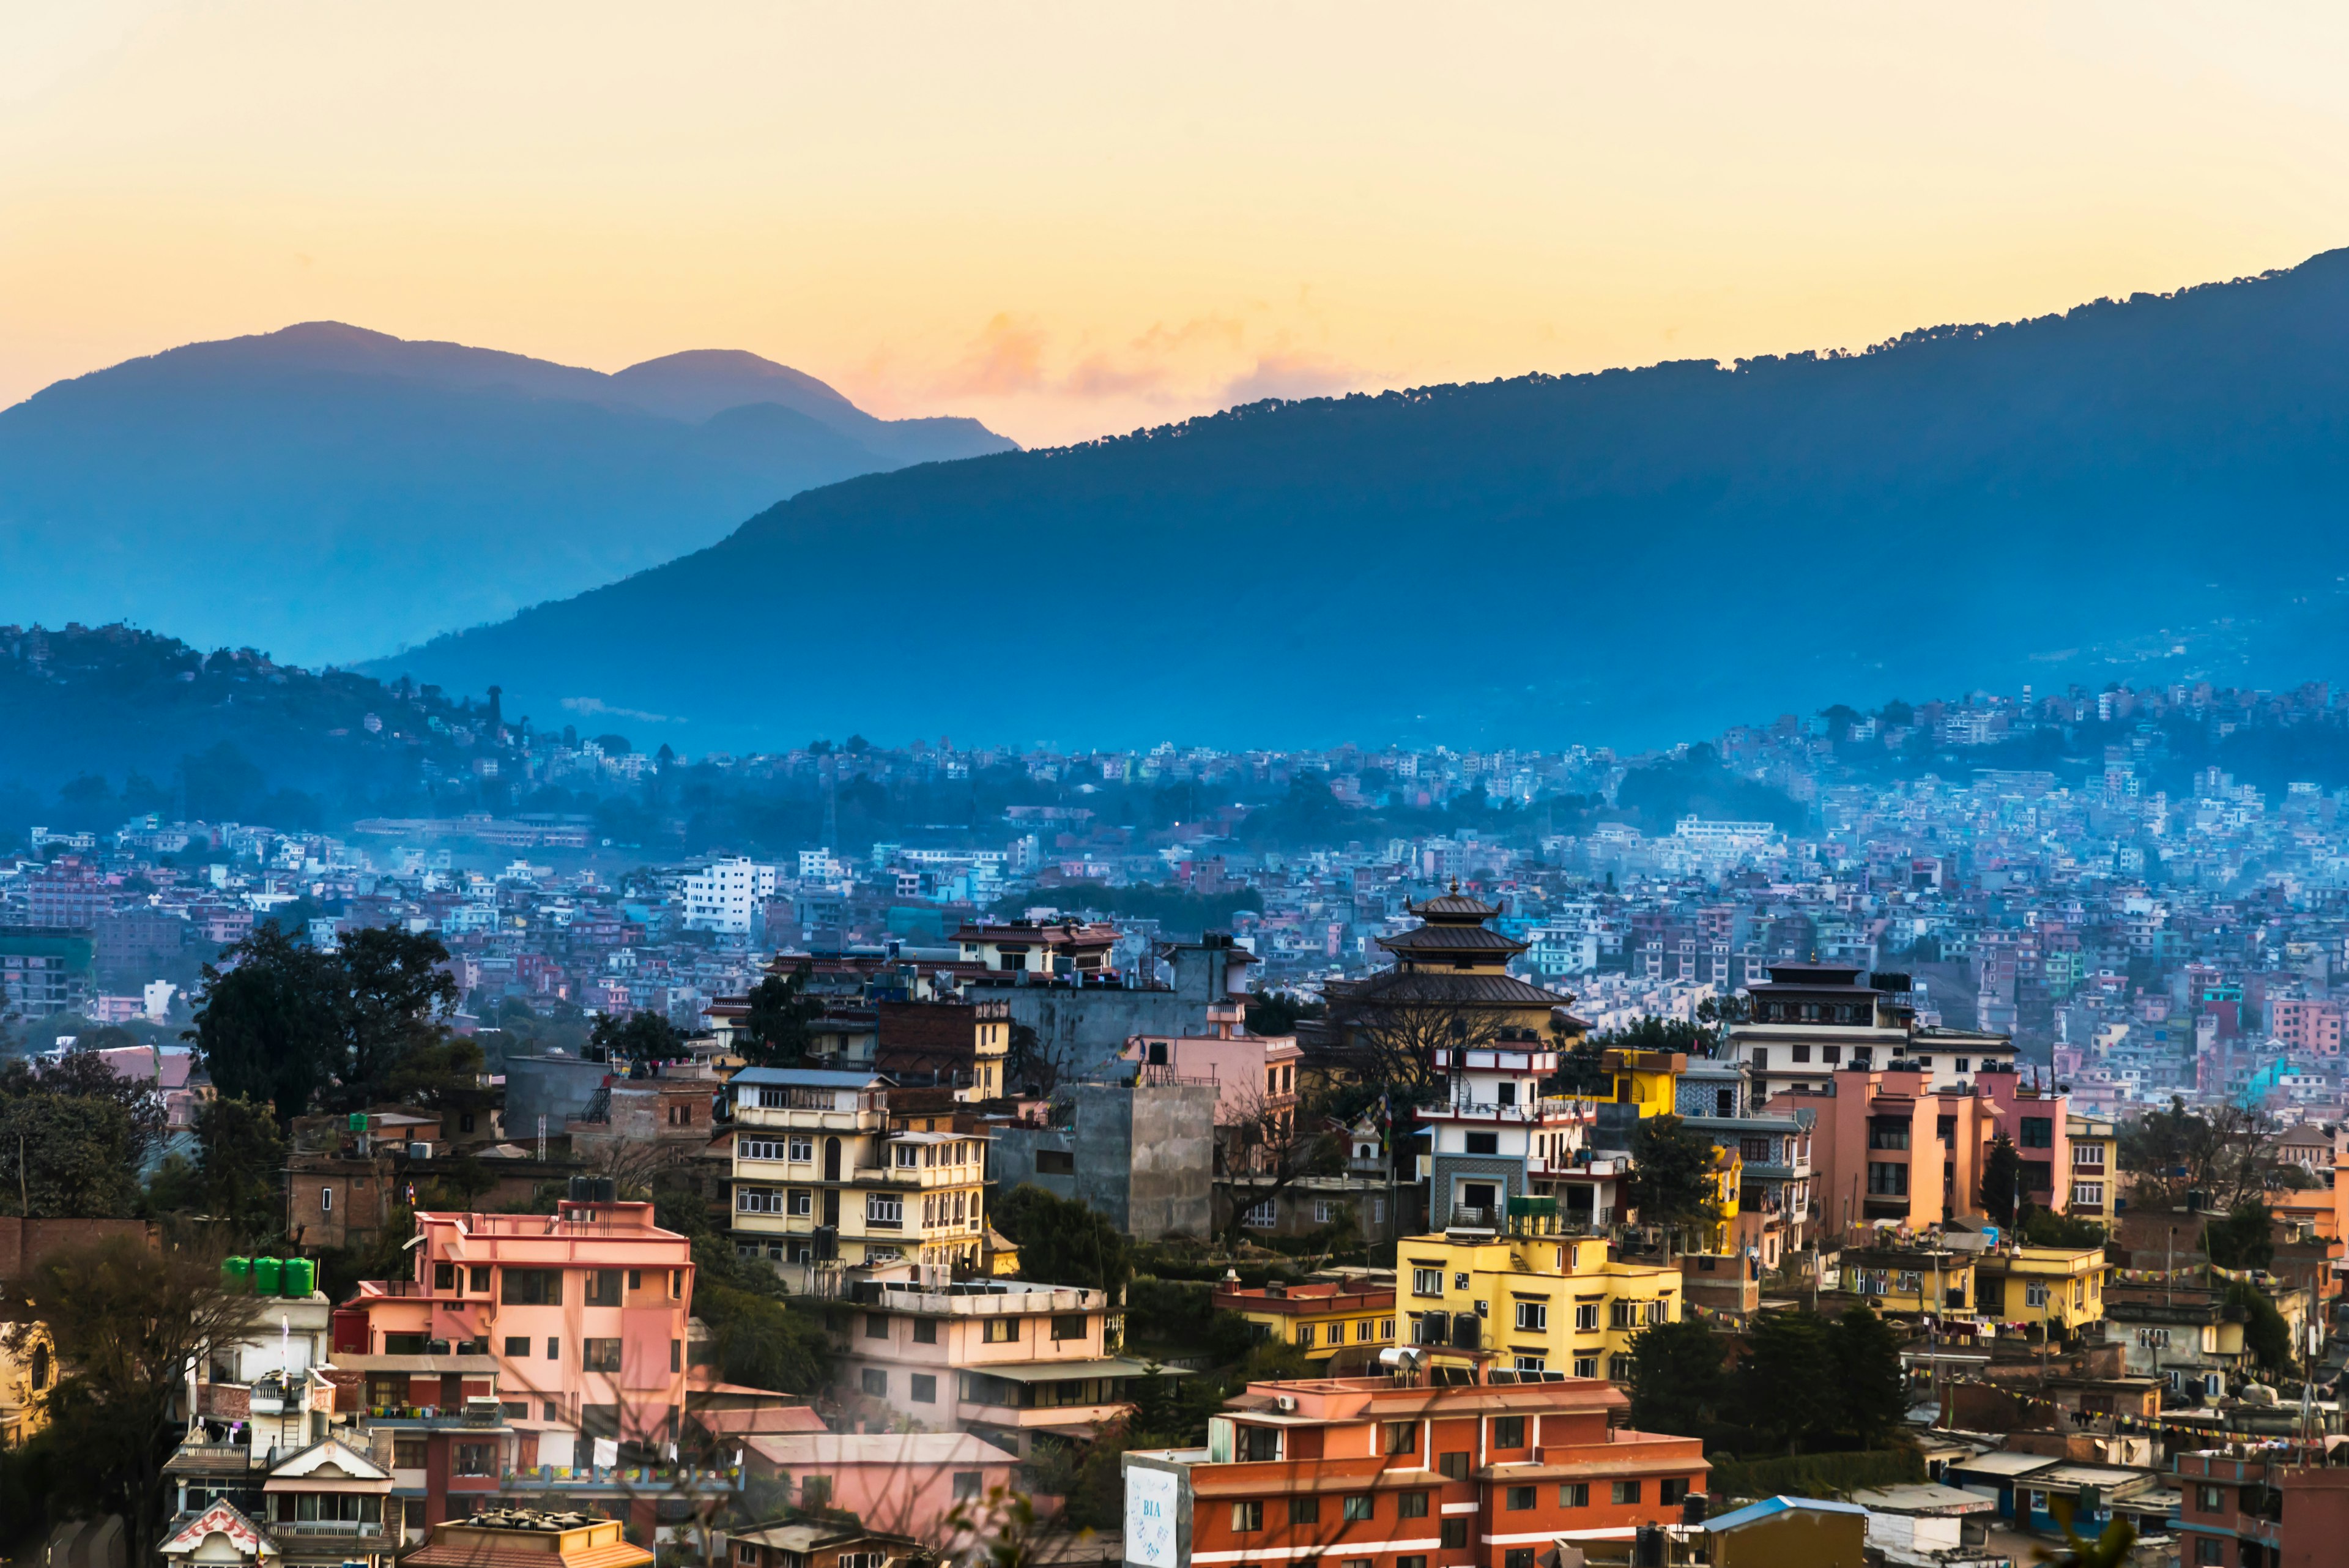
(1623,555)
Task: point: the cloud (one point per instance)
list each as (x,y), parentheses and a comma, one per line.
(1007,357)
(1292,374)
(595,707)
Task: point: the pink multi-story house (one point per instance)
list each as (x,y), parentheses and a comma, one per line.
(2306,1024)
(558,1341)
(1255,1075)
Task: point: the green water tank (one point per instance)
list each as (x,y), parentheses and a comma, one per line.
(236,1274)
(268,1274)
(300,1278)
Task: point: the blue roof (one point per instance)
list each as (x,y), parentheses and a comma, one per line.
(1781,1504)
(805,1078)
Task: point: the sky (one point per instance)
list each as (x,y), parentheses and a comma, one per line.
(1073,220)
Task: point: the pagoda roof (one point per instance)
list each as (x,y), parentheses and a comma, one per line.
(1452,939)
(1453,908)
(1450,988)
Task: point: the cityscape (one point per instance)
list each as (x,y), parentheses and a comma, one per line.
(1051,786)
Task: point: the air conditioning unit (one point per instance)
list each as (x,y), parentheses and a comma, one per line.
(419,1150)
(1284,1403)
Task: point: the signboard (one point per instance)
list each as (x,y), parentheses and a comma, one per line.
(1150,1517)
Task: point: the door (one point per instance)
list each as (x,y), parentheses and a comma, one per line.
(832,1159)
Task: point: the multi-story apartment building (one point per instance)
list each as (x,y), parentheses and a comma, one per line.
(1029,1367)
(820,1177)
(2094,1171)
(1772,1216)
(960,1045)
(1495,1136)
(2261,1507)
(728,897)
(2059,1291)
(1402,1471)
(565,1335)
(1809,1020)
(1539,1299)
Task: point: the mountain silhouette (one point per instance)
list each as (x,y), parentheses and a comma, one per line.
(324,492)
(2152,488)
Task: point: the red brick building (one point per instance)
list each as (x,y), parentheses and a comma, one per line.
(2261,1508)
(1400,1471)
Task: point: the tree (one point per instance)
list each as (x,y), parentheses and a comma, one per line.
(1265,1144)
(1030,1066)
(776,1028)
(1063,1242)
(2226,1152)
(2242,1240)
(268,1014)
(2266,1334)
(242,1154)
(1672,1182)
(1395,1036)
(124,1323)
(636,1037)
(393,987)
(82,1074)
(2001,1183)
(1677,1376)
(63,1155)
(1581,1064)
(1867,1377)
(1785,1384)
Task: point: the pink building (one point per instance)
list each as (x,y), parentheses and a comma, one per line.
(2306,1025)
(578,1318)
(1887,1146)
(904,1483)
(1254,1074)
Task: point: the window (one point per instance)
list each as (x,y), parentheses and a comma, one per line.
(476,1458)
(1261,1216)
(909,1156)
(1801,1054)
(1574,1494)
(1831,1054)
(604,1287)
(517,1344)
(1247,1517)
(1585,1367)
(802,1149)
(966,1484)
(2088,1195)
(758,1201)
(1359,1506)
(444,1276)
(1518,1498)
(1327,1211)
(532,1287)
(1533,1317)
(408,1453)
(801,1203)
(600,1354)
(2210,1499)
(2038,1132)
(1453,1534)
(2207,1552)
(1530,1363)
(1386,1328)
(1305,1336)
(1000,1331)
(325,1200)
(1623,1314)
(2088,1157)
(1304,1510)
(1427,1282)
(1671,1489)
(1885,1179)
(1753,1150)
(676,1355)
(1401,1437)
(1411,1505)
(758,1149)
(1415,1560)
(1361,1332)
(1518,1556)
(1627,1491)
(2035,1293)
(925,1330)
(1055,1162)
(1069,1326)
(926,1388)
(876,1325)
(1887,1132)
(1586,1317)
(1509,1431)
(478,1281)
(1484,1143)
(884,1209)
(1453,1467)
(1261,1443)
(874,1381)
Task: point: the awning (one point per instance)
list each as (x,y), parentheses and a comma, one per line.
(1069,1371)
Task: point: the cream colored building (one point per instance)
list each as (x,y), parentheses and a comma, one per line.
(820,1178)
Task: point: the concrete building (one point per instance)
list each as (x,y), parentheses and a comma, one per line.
(730,897)
(2285,1508)
(547,1090)
(1085,1024)
(1495,1472)
(2093,1169)
(1341,1326)
(822,1180)
(960,1045)
(1809,1020)
(1774,1152)
(1535,1299)
(1027,1367)
(1143,1154)
(902,1483)
(514,1538)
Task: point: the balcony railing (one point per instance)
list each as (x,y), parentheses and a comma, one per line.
(1465,1218)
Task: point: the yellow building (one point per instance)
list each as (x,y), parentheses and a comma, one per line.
(26,1375)
(823,1177)
(1649,1080)
(1913,1279)
(2061,1287)
(1326,1320)
(2095,1177)
(1537,1300)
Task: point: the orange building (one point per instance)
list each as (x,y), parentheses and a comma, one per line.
(1404,1472)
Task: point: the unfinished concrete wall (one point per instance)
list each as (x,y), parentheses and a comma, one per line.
(1171,1188)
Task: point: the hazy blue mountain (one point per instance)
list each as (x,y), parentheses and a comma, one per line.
(2156,486)
(325,492)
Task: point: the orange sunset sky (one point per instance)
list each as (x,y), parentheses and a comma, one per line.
(1074,219)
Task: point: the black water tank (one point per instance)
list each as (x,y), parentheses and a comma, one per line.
(1648,1548)
(1692,1508)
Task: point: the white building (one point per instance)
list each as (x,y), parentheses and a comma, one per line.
(728,896)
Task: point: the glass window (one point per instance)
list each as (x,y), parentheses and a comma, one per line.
(1509,1431)
(1451,1535)
(874,1381)
(1453,1467)
(1358,1505)
(1402,1437)
(925,1330)
(1247,1516)
(530,1287)
(1518,1498)
(1574,1494)
(1627,1491)
(1411,1505)
(1304,1510)
(604,1287)
(600,1354)
(926,1388)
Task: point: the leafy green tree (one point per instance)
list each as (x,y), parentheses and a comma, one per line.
(242,1157)
(84,1075)
(638,1037)
(264,1028)
(393,988)
(2242,1239)
(2001,1184)
(2266,1334)
(63,1155)
(1785,1384)
(2045,1228)
(1868,1379)
(776,1028)
(124,1323)
(1678,1377)
(1063,1242)
(1672,1181)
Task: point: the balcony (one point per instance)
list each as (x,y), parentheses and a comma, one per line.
(369,1529)
(1556,1108)
(1464,1217)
